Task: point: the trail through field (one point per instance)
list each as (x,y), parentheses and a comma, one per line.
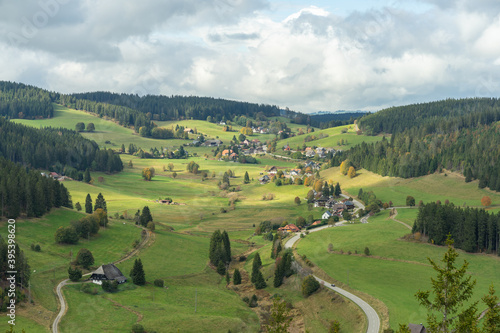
(148,240)
(393,217)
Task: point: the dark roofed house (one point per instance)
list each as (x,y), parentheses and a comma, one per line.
(417,328)
(107,272)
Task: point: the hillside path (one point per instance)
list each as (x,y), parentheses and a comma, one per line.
(60,295)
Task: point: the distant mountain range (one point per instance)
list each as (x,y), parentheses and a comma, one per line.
(322,113)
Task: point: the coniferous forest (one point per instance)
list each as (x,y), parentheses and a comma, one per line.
(25,191)
(61,150)
(472,229)
(18,100)
(463,138)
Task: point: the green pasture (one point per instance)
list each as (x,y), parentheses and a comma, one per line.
(105,130)
(395,270)
(429,188)
(334,136)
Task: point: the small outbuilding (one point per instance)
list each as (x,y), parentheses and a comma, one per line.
(107,272)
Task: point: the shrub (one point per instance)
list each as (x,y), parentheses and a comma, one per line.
(138,328)
(309,285)
(367,251)
(159,283)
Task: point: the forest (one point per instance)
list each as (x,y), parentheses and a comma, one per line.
(18,100)
(25,191)
(472,229)
(178,107)
(466,142)
(61,150)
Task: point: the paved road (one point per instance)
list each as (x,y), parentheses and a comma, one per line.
(371,314)
(61,284)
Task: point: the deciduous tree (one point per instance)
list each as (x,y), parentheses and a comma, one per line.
(84,258)
(486,201)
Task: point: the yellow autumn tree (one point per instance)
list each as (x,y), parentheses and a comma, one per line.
(344,167)
(352,172)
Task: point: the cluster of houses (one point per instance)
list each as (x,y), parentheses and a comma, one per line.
(55,176)
(334,208)
(319,151)
(292,174)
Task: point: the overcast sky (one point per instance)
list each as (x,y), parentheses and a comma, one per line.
(305,55)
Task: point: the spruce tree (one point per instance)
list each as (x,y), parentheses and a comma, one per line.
(247,178)
(145,217)
(236,277)
(338,191)
(100,202)
(86,176)
(227,247)
(221,268)
(137,273)
(260,283)
(88,204)
(256,266)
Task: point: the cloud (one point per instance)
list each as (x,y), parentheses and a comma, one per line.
(312,60)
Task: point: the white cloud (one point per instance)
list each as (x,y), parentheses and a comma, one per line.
(312,60)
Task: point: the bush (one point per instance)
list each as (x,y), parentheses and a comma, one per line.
(138,328)
(109,286)
(159,283)
(74,274)
(309,285)
(89,289)
(367,251)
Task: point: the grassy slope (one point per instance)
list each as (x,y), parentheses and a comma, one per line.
(427,188)
(334,135)
(402,263)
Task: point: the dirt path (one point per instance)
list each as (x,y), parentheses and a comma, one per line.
(148,240)
(393,217)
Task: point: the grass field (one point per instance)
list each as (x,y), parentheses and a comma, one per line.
(427,188)
(334,136)
(395,269)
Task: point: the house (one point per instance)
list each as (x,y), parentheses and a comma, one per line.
(107,272)
(417,328)
(349,204)
(273,170)
(326,215)
(310,153)
(316,223)
(246,142)
(54,175)
(286,147)
(212,143)
(264,179)
(320,202)
(227,152)
(233,156)
(339,206)
(256,141)
(289,228)
(166,201)
(188,130)
(330,203)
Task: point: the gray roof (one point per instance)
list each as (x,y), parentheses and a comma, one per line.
(111,272)
(416,328)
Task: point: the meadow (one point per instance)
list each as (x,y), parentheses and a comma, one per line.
(395,269)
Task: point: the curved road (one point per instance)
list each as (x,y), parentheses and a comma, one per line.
(371,314)
(61,284)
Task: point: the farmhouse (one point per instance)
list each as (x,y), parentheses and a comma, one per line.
(417,328)
(289,228)
(273,170)
(107,272)
(212,143)
(264,179)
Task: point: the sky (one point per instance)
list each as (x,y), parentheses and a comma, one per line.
(305,55)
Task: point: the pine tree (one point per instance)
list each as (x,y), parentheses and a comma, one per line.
(137,273)
(338,191)
(452,288)
(88,204)
(86,176)
(247,178)
(256,266)
(236,277)
(227,247)
(100,202)
(145,216)
(260,283)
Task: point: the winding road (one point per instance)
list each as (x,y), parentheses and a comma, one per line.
(371,314)
(60,296)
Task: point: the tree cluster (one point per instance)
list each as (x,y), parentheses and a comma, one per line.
(283,268)
(137,273)
(21,266)
(24,191)
(84,227)
(257,278)
(473,229)
(220,250)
